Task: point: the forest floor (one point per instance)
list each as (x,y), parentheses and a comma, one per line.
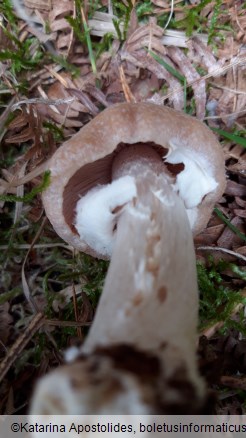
(61,63)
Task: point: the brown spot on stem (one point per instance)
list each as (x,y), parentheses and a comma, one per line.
(162,294)
(153,217)
(125,357)
(163,345)
(152,266)
(56,403)
(153,263)
(128,312)
(137,299)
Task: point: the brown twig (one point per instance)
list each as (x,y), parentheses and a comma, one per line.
(25,285)
(227,251)
(76,313)
(126,90)
(36,323)
(58,323)
(238,382)
(20,344)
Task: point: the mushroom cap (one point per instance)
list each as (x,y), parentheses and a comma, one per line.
(85,160)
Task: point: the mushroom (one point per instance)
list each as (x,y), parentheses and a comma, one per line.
(135,185)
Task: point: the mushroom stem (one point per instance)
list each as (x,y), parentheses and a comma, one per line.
(150,296)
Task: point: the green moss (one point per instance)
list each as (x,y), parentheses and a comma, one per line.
(193,20)
(122,12)
(6,9)
(56,131)
(144,9)
(104,45)
(217,301)
(60,60)
(82,32)
(20,57)
(29,196)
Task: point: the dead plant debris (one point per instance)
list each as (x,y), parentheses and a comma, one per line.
(61,63)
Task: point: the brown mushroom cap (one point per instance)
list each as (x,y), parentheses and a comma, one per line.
(86,159)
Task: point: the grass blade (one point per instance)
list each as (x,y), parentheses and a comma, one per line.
(173,72)
(229,224)
(233,137)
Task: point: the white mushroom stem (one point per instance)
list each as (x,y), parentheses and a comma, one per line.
(150,296)
(140,354)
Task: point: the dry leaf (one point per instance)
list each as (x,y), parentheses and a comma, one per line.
(237,154)
(192,77)
(228,238)
(202,54)
(235,189)
(41,5)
